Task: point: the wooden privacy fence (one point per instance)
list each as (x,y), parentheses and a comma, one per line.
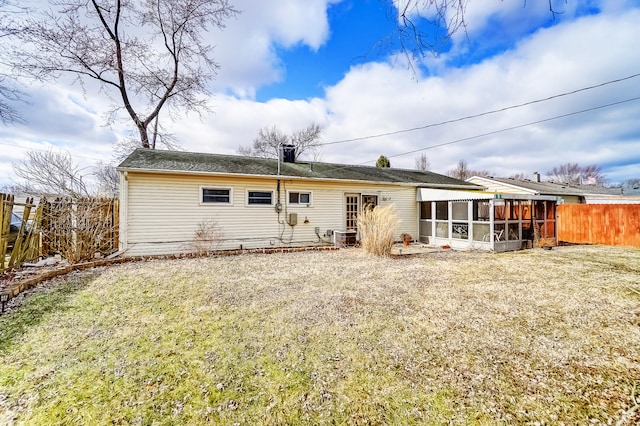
(608,224)
(76,229)
(25,240)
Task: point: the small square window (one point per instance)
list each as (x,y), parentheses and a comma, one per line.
(260,198)
(216,195)
(300,198)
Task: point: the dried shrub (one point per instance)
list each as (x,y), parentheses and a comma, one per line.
(208,237)
(78,229)
(377,227)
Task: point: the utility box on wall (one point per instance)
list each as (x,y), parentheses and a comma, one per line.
(292,220)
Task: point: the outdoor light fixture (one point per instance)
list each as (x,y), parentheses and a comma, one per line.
(4,298)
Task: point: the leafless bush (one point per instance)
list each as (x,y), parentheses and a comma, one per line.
(377,227)
(208,237)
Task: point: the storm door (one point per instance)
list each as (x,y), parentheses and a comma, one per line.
(352,207)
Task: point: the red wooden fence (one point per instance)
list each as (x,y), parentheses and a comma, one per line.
(608,224)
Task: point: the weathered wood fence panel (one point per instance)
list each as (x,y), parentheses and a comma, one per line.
(77,229)
(608,224)
(26,240)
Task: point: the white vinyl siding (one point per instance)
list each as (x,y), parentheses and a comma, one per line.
(163,211)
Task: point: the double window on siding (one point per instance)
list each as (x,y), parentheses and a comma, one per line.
(215,195)
(299,198)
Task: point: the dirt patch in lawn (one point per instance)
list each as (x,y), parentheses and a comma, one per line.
(333,337)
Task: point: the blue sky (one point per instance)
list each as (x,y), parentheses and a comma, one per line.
(356,31)
(289,63)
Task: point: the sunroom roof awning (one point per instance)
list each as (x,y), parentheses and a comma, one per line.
(429,194)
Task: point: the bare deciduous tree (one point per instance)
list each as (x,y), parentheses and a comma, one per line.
(574,174)
(108,180)
(149,54)
(422,162)
(462,171)
(51,173)
(266,144)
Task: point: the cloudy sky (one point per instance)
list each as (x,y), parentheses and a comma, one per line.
(289,63)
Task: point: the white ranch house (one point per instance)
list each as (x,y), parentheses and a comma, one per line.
(165,197)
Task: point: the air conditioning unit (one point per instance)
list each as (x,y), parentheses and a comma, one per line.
(344,238)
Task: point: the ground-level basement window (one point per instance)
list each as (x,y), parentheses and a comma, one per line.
(216,195)
(259,198)
(300,198)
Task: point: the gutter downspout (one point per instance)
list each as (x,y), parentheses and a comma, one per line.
(278,204)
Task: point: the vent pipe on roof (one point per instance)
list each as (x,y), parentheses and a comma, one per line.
(288,153)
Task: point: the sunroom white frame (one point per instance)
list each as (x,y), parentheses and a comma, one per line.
(492,234)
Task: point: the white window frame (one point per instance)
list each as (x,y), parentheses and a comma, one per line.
(210,203)
(259,205)
(299,204)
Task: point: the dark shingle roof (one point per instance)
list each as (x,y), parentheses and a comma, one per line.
(179,161)
(552,188)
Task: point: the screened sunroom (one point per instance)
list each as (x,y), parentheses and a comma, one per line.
(482,220)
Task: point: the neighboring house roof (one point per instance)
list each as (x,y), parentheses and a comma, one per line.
(200,163)
(631,187)
(550,188)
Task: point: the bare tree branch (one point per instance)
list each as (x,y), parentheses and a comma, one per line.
(9,94)
(426,26)
(114,43)
(51,173)
(108,180)
(268,140)
(422,162)
(574,174)
(463,172)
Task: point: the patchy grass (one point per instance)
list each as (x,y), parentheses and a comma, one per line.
(332,338)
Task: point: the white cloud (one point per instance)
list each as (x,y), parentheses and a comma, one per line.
(378,98)
(245,49)
(384,97)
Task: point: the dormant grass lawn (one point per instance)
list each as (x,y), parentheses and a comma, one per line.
(546,337)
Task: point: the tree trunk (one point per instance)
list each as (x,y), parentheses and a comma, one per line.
(144,137)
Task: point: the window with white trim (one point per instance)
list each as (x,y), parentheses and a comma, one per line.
(215,195)
(259,198)
(302,198)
